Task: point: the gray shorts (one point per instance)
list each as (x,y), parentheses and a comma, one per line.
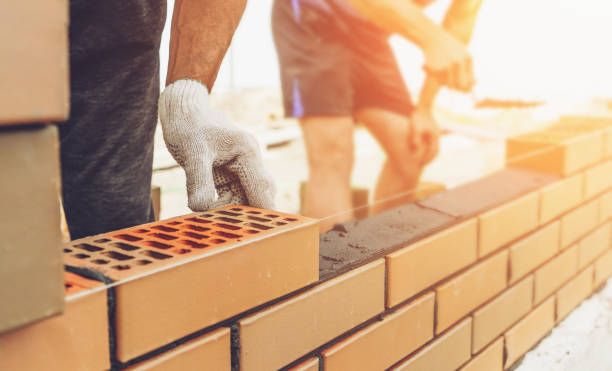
(333,62)
(107,144)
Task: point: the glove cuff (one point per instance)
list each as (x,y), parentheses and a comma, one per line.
(181,98)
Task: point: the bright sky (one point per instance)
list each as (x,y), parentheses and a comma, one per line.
(523,49)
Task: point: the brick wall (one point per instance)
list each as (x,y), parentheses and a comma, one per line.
(470,278)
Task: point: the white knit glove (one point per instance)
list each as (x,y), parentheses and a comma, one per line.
(215,154)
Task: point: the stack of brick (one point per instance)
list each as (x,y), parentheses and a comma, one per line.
(33,91)
(469,278)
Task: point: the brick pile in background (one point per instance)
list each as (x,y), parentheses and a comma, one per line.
(469,279)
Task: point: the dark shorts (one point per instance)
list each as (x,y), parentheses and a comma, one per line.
(107,144)
(333,63)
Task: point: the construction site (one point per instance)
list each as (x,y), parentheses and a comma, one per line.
(306,185)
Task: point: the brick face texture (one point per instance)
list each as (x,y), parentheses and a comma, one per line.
(384,343)
(275,337)
(447,352)
(490,359)
(506,223)
(461,295)
(525,334)
(495,317)
(410,270)
(528,253)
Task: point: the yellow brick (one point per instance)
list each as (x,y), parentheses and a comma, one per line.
(490,359)
(525,334)
(560,197)
(446,353)
(528,253)
(579,222)
(506,223)
(594,244)
(390,340)
(574,292)
(605,207)
(276,336)
(311,364)
(556,152)
(603,268)
(467,291)
(552,275)
(416,267)
(212,350)
(598,179)
(497,316)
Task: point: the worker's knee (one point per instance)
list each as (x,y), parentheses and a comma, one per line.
(333,158)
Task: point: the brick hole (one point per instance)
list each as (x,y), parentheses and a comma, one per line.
(127,237)
(217,241)
(102,240)
(197,236)
(163,228)
(227,226)
(181,251)
(163,236)
(194,244)
(258,219)
(143,262)
(155,254)
(259,226)
(67,250)
(291,219)
(125,246)
(226,234)
(100,261)
(81,256)
(197,228)
(251,231)
(207,215)
(142,230)
(271,216)
(236,209)
(117,255)
(280,223)
(229,220)
(253,212)
(157,245)
(198,220)
(88,247)
(121,267)
(175,223)
(224,212)
(67,285)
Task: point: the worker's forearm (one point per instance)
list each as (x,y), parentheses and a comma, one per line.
(459,22)
(201,34)
(402,17)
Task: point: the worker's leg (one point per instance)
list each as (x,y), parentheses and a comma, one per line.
(107,144)
(329,146)
(402,170)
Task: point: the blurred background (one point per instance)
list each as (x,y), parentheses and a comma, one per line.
(534,59)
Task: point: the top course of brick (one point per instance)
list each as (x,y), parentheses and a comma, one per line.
(129,252)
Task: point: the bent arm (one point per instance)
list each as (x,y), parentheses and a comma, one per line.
(459,21)
(201,34)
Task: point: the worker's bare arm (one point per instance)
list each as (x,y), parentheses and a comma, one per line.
(201,34)
(458,22)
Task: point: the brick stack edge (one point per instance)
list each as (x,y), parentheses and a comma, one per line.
(469,279)
(35,90)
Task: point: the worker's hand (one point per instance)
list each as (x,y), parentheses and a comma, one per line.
(448,61)
(215,154)
(425,135)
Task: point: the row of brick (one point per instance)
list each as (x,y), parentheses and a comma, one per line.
(507,319)
(409,271)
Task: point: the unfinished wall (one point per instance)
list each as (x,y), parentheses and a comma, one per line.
(470,278)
